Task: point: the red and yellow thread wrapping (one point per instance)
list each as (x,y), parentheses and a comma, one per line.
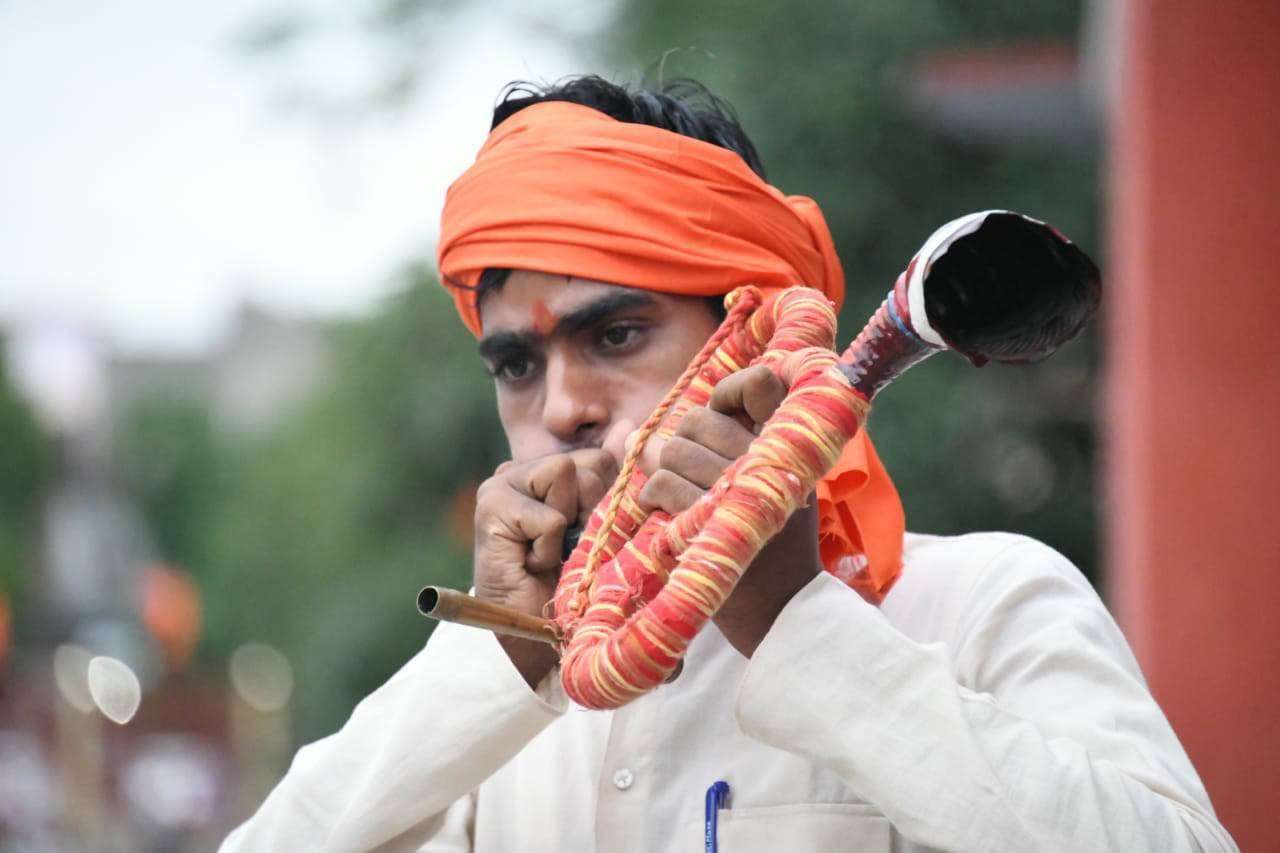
(640,586)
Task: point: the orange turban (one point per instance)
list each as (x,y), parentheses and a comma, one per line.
(564,189)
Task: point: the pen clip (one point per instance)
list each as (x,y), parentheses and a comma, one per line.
(717,798)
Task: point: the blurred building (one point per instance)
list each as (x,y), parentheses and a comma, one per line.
(93,540)
(169,774)
(1040,92)
(264,366)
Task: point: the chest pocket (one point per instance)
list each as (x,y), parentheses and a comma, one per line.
(826,827)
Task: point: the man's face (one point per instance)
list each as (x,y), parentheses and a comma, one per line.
(572,357)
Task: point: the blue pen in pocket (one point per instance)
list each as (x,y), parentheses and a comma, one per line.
(717,798)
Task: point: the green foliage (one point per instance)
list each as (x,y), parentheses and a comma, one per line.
(821,89)
(26,464)
(169,458)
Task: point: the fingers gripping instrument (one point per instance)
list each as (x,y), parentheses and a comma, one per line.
(639,586)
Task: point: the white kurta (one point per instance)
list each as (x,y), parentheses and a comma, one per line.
(990,704)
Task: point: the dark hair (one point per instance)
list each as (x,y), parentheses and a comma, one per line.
(682,106)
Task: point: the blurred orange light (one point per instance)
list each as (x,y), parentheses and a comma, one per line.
(462,515)
(172,612)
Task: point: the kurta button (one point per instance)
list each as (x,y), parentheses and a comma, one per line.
(622,779)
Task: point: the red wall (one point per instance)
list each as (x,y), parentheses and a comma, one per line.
(1193,394)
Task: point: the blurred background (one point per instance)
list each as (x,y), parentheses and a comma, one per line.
(241,426)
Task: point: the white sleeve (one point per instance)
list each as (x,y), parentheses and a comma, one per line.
(401,773)
(1031,728)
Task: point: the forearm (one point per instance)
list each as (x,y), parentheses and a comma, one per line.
(532,659)
(950,767)
(451,717)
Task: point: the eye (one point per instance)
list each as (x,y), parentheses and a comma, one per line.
(620,337)
(512,369)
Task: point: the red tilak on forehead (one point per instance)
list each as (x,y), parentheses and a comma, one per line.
(544,322)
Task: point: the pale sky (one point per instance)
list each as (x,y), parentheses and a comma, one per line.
(148,184)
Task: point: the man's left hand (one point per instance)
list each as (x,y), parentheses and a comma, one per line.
(681,470)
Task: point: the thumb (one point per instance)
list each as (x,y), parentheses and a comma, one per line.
(650,454)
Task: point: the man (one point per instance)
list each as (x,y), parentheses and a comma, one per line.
(966,693)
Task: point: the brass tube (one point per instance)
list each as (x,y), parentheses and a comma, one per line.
(449,605)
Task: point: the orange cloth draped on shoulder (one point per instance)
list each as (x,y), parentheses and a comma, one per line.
(565,189)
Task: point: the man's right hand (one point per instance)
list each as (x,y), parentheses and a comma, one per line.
(522,513)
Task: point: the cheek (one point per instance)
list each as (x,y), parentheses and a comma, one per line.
(527,441)
(683,346)
(647,384)
(651,376)
(525,438)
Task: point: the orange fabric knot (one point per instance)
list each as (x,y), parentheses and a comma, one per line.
(861,521)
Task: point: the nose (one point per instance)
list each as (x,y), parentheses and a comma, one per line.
(575,408)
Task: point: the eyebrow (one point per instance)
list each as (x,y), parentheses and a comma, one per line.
(589,315)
